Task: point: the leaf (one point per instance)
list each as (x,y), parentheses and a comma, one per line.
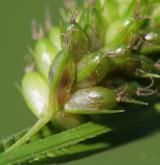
(76,149)
(61,140)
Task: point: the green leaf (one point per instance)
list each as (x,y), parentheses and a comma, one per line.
(61,140)
(76,149)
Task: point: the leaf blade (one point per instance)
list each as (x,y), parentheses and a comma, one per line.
(64,139)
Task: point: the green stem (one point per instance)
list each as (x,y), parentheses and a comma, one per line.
(39,124)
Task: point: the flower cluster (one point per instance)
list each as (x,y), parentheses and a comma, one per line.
(100,61)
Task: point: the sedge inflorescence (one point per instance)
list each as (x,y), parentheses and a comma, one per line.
(102,60)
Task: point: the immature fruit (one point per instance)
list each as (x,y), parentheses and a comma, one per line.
(43,55)
(64,120)
(61,78)
(92,69)
(93,99)
(93,25)
(55,37)
(119,30)
(95,66)
(75,40)
(35,92)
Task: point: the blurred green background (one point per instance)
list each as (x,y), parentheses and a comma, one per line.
(15,38)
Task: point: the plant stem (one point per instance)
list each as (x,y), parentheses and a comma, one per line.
(39,124)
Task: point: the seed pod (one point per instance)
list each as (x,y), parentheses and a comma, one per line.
(119,56)
(35,92)
(92,69)
(93,25)
(94,99)
(43,55)
(74,39)
(64,120)
(55,38)
(118,30)
(95,66)
(110,11)
(61,78)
